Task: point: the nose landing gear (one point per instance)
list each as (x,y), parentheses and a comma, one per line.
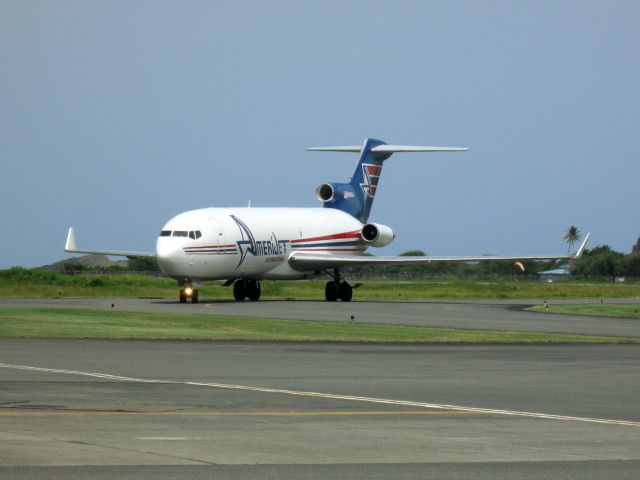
(188,292)
(336,289)
(247,289)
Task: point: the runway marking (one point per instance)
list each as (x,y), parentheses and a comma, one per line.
(354,398)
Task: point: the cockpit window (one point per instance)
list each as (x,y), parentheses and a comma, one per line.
(192,234)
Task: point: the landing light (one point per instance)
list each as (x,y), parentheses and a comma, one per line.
(188,291)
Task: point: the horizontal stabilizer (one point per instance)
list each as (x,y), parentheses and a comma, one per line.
(354,149)
(387,149)
(71,247)
(409,148)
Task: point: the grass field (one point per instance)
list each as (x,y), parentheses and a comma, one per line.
(22,283)
(598,310)
(99,324)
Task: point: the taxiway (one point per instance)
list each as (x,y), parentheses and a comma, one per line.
(164,409)
(237,410)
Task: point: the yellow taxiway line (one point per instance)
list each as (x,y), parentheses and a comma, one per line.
(62,413)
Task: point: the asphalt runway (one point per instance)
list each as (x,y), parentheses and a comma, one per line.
(481,315)
(147,410)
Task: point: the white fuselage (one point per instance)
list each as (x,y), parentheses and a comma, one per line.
(231,243)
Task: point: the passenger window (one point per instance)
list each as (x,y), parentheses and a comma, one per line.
(180,233)
(198,234)
(165,233)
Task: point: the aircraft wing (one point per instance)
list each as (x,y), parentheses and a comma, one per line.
(319,261)
(71,247)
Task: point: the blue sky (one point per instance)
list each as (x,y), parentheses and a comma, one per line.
(117,115)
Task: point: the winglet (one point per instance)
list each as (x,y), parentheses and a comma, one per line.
(70,246)
(582,248)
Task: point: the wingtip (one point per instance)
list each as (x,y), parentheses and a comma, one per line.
(583,247)
(70,245)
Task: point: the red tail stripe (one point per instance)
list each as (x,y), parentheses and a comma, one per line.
(374,170)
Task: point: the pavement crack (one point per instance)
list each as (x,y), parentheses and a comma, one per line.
(137,450)
(116,448)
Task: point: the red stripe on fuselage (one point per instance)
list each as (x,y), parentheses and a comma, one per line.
(354,234)
(329,250)
(210,246)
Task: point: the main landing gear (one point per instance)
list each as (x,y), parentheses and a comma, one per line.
(336,289)
(247,289)
(242,289)
(188,292)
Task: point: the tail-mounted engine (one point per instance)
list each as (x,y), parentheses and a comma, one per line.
(325,192)
(377,235)
(334,193)
(373,234)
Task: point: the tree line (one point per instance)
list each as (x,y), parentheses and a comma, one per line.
(603,261)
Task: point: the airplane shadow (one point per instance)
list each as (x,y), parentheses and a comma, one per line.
(294,300)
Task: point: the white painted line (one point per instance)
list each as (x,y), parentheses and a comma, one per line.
(163,439)
(438,406)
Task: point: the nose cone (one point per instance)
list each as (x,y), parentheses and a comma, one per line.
(169,254)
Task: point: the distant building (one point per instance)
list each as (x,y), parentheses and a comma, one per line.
(561,273)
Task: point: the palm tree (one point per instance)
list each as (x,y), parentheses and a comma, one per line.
(572,236)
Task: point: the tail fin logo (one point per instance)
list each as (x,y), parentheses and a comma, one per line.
(370,178)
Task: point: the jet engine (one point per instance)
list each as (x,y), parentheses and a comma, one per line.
(334,192)
(377,235)
(325,192)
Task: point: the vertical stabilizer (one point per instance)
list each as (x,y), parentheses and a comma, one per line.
(356,197)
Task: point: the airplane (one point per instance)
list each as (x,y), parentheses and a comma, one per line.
(243,246)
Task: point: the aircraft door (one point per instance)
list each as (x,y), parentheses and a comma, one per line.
(218,234)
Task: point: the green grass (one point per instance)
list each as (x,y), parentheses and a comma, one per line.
(99,324)
(598,310)
(23,283)
(456,289)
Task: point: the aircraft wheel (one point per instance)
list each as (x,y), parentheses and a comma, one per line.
(183,296)
(194,296)
(239,292)
(345,292)
(253,290)
(330,293)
